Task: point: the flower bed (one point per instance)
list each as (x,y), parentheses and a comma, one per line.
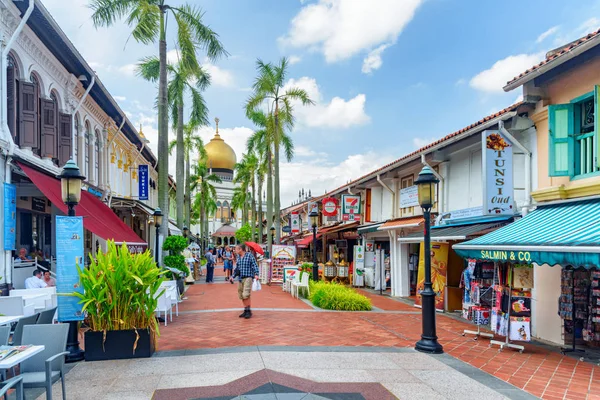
(333,296)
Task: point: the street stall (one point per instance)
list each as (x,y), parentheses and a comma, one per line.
(524,254)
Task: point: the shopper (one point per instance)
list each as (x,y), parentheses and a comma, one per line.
(247,270)
(210,265)
(35,281)
(228,262)
(48,279)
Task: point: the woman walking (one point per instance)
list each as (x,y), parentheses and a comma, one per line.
(228,262)
(210,265)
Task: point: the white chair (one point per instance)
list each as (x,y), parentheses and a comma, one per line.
(296,285)
(173,293)
(12,306)
(164,306)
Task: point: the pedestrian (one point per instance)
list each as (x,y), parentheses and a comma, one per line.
(35,281)
(210,265)
(48,279)
(247,270)
(228,262)
(219,254)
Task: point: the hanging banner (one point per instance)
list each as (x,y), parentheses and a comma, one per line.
(143,182)
(295,222)
(330,207)
(439,265)
(10,216)
(409,197)
(350,207)
(69,254)
(497,163)
(359,266)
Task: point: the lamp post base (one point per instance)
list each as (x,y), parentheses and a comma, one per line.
(75,353)
(431,346)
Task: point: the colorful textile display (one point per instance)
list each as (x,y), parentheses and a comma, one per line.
(520,329)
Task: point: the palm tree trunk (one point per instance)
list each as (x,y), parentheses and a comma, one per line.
(260,212)
(179,172)
(188,194)
(269,202)
(202,233)
(163,128)
(253,211)
(277,215)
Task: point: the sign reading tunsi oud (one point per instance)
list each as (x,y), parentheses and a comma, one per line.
(350,207)
(497,163)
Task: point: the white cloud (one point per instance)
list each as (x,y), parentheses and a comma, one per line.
(304,151)
(126,70)
(294,59)
(460,82)
(422,142)
(332,26)
(492,80)
(218,76)
(337,113)
(547,34)
(373,60)
(120,98)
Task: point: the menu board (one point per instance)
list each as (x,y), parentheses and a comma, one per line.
(69,254)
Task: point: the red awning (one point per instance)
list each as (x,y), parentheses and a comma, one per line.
(306,240)
(97,216)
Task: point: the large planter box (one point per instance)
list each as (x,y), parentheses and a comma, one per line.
(118,345)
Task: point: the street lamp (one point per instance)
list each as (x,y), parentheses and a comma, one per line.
(198,237)
(426,184)
(70,184)
(314,219)
(158,216)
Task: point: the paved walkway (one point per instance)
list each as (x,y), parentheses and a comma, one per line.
(208,321)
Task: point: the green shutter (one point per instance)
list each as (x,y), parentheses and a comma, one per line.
(560,119)
(596,127)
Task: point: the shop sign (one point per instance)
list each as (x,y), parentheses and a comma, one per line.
(283,251)
(350,235)
(350,207)
(95,192)
(504,255)
(287,229)
(295,222)
(38,204)
(10,216)
(463,214)
(143,182)
(497,163)
(330,207)
(409,197)
(69,255)
(313,206)
(332,219)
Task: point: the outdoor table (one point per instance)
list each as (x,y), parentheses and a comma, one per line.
(9,319)
(34,299)
(17,359)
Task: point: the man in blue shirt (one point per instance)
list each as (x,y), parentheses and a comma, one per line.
(247,270)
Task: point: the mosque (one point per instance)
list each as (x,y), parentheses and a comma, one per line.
(223,224)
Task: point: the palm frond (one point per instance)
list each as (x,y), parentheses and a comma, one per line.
(288,146)
(295,93)
(189,61)
(145,19)
(149,68)
(203,36)
(199,113)
(107,12)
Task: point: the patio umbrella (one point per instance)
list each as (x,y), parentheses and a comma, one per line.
(256,247)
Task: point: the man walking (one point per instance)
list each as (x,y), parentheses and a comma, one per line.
(210,265)
(247,270)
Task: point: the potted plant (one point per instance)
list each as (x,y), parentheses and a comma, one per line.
(120,298)
(175,245)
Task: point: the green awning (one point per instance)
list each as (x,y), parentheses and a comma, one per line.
(369,228)
(565,234)
(460,232)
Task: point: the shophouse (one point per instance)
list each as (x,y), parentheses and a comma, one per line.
(54,108)
(560,237)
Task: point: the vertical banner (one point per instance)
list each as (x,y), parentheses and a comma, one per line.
(10,216)
(359,266)
(497,163)
(143,182)
(350,207)
(69,254)
(295,222)
(439,265)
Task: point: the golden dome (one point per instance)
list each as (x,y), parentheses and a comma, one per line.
(219,154)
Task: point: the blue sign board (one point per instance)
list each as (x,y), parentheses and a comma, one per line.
(143,182)
(69,254)
(95,192)
(10,216)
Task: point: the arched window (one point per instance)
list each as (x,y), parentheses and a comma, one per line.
(36,96)
(226,211)
(11,94)
(76,142)
(97,157)
(86,150)
(219,211)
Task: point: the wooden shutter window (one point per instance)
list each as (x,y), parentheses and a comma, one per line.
(368,206)
(49,128)
(28,116)
(561,146)
(65,141)
(11,91)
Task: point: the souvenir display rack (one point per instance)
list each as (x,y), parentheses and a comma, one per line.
(283,257)
(478,287)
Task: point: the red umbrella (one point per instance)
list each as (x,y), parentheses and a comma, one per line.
(256,247)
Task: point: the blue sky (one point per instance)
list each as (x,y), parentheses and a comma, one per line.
(388,75)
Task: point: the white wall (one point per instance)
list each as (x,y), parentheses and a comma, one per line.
(464,181)
(376,204)
(386,202)
(546,323)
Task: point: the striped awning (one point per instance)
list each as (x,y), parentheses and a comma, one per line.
(445,233)
(565,234)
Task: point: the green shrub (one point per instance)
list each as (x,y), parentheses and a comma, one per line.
(175,245)
(333,296)
(177,262)
(244,234)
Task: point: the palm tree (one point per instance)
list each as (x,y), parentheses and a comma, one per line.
(269,88)
(148,20)
(181,83)
(206,194)
(245,172)
(239,201)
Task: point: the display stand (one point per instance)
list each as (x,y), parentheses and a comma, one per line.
(478,332)
(283,256)
(508,285)
(568,309)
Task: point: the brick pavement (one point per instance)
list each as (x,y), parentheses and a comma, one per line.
(540,371)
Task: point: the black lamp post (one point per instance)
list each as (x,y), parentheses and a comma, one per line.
(426,184)
(158,216)
(70,184)
(314,219)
